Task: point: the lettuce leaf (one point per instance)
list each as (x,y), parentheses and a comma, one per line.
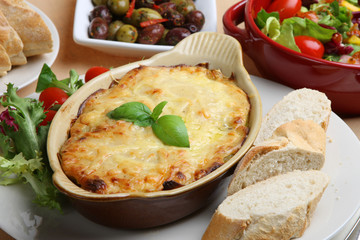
(23,148)
(262,17)
(304,26)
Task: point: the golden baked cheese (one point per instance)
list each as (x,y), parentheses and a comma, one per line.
(104,155)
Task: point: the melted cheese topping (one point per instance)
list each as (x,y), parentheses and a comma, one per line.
(104,155)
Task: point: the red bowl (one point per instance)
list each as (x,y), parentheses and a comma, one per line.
(339,81)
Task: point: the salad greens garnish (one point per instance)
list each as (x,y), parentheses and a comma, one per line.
(23,147)
(295,26)
(334,24)
(48,79)
(170,129)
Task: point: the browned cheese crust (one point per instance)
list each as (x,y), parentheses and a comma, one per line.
(104,155)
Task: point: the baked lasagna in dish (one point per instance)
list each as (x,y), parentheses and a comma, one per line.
(105,155)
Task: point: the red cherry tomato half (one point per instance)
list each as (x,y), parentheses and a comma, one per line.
(94,72)
(309,45)
(51,96)
(49,117)
(285,8)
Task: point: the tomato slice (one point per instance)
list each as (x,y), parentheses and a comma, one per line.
(49,117)
(94,72)
(52,96)
(309,45)
(285,8)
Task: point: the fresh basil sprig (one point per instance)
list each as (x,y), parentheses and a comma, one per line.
(170,129)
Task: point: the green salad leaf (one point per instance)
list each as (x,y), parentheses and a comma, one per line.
(286,37)
(23,147)
(48,79)
(304,26)
(263,16)
(333,15)
(170,129)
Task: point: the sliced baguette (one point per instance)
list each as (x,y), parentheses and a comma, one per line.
(304,104)
(296,145)
(277,208)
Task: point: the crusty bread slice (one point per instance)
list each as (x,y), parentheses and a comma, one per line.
(304,104)
(296,145)
(5,64)
(31,28)
(11,41)
(277,208)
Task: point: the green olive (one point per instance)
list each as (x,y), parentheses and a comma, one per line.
(143,15)
(162,40)
(127,33)
(118,7)
(99,2)
(113,28)
(184,6)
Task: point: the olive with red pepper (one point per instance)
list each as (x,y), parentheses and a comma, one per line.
(103,12)
(175,35)
(195,17)
(127,33)
(98,28)
(144,21)
(151,34)
(175,18)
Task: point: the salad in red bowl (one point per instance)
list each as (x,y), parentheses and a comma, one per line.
(327,29)
(303,43)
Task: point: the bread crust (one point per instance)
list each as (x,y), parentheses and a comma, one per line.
(303,137)
(304,103)
(247,222)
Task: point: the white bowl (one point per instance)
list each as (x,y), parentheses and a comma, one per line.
(81,24)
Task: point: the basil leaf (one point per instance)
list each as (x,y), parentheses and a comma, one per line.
(158,110)
(135,112)
(171,130)
(46,77)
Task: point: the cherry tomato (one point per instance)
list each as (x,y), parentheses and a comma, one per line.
(258,5)
(49,117)
(309,45)
(51,96)
(285,8)
(94,72)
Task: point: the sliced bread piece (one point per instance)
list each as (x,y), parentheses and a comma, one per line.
(31,28)
(304,104)
(277,208)
(11,42)
(296,145)
(5,64)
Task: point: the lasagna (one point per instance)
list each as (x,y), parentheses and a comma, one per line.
(106,156)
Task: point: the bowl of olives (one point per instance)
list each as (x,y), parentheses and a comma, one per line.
(140,28)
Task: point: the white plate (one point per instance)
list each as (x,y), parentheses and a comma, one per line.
(81,24)
(337,206)
(22,76)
